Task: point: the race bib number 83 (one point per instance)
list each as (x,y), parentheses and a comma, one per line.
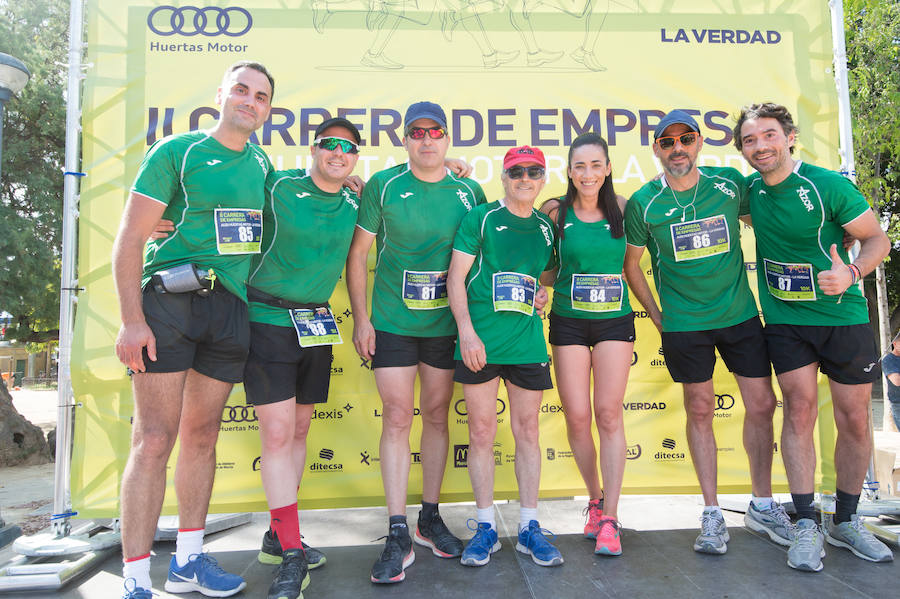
(514,292)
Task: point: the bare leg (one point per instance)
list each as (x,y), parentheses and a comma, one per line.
(157,411)
(853,448)
(612,363)
(699,406)
(481,407)
(396,388)
(195,470)
(302,421)
(279,469)
(759,405)
(435,391)
(798,387)
(524,407)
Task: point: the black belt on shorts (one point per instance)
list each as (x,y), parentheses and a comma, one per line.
(255,295)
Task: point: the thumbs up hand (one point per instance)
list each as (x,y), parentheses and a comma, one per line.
(837,279)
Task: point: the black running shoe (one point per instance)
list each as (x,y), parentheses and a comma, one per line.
(271,552)
(397,556)
(291,577)
(435,535)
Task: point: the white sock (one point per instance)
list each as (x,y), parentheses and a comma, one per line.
(762,503)
(486,514)
(138,569)
(713,508)
(526,515)
(188,543)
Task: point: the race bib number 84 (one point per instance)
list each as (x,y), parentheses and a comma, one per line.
(597,293)
(514,292)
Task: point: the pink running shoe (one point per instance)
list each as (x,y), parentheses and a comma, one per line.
(593,511)
(608,541)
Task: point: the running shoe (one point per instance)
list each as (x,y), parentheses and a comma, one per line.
(291,577)
(270,553)
(713,533)
(397,556)
(593,511)
(480,547)
(772,521)
(854,535)
(135,592)
(807,547)
(533,542)
(435,535)
(608,537)
(203,574)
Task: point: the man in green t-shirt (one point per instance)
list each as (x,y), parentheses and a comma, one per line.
(816,318)
(688,219)
(412,211)
(185,332)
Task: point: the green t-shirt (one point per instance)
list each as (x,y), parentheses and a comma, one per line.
(795,223)
(590,267)
(414,223)
(210,192)
(307,234)
(510,253)
(694,241)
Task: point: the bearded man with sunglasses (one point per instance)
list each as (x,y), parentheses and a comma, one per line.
(690,219)
(413,211)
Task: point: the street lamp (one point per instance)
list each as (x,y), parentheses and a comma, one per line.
(13,77)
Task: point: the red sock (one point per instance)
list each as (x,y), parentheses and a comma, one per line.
(286,524)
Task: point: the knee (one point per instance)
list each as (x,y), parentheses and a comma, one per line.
(482,432)
(578,427)
(396,419)
(609,419)
(526,430)
(435,416)
(761,408)
(800,415)
(152,444)
(699,410)
(276,437)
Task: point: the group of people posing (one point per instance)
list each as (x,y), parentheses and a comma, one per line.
(235,282)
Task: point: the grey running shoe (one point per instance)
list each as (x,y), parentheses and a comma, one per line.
(854,536)
(772,521)
(808,546)
(713,533)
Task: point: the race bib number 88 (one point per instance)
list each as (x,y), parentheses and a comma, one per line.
(315,327)
(514,292)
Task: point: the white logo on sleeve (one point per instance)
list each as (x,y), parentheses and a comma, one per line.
(502,228)
(346,193)
(464,198)
(213,162)
(546,231)
(406,195)
(803,194)
(568,225)
(671,211)
(262,164)
(300,196)
(722,186)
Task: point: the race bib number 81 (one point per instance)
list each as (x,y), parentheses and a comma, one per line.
(700,238)
(238,230)
(425,290)
(514,292)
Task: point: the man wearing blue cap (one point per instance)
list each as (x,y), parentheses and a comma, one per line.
(689,217)
(413,211)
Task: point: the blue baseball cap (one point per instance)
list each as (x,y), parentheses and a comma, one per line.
(675,117)
(424,110)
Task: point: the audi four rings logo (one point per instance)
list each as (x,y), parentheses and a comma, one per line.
(724,402)
(209,21)
(239,414)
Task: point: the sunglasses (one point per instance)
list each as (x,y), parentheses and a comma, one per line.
(333,143)
(686,139)
(419,132)
(517,172)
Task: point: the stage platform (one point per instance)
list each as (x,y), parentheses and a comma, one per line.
(657,560)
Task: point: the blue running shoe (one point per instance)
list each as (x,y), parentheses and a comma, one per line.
(533,542)
(480,547)
(136,592)
(203,574)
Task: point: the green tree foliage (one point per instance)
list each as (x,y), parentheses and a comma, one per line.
(31,186)
(873,59)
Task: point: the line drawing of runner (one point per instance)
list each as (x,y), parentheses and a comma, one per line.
(383,17)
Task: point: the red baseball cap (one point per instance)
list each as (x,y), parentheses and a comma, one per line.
(523,154)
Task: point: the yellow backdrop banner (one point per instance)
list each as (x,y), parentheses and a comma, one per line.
(537,73)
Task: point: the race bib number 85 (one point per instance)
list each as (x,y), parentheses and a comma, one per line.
(238,230)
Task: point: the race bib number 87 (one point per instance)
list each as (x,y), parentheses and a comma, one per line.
(790,282)
(514,292)
(238,230)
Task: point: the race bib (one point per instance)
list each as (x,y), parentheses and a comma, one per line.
(514,292)
(238,230)
(425,289)
(597,293)
(700,238)
(316,327)
(790,282)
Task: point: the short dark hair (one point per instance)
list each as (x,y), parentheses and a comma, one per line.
(256,66)
(766,110)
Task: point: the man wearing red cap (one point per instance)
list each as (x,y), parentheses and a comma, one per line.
(413,211)
(499,253)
